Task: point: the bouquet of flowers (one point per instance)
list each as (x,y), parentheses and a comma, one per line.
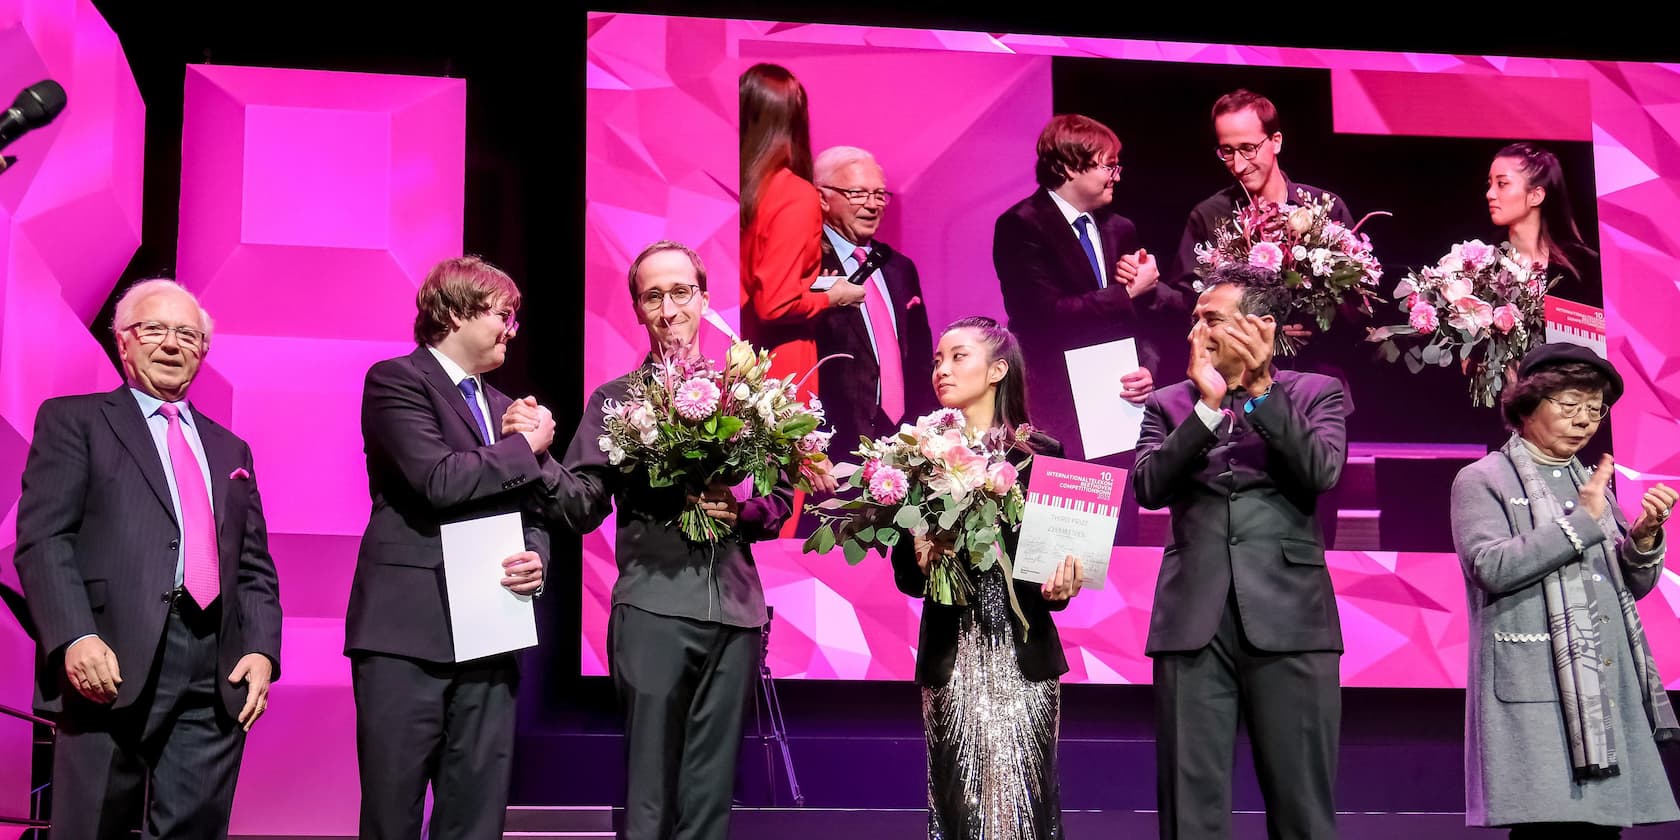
(1320,262)
(939,480)
(1478,304)
(687,423)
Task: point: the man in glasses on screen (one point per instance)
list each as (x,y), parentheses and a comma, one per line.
(1073,273)
(1249,138)
(887,336)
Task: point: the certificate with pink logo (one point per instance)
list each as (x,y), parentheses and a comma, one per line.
(1575,323)
(1072,508)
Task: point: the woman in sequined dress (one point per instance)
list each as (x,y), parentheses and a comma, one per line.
(991,700)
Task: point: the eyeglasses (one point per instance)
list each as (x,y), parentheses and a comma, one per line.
(1247,150)
(153,332)
(652,299)
(861,197)
(1568,410)
(1112,168)
(510,321)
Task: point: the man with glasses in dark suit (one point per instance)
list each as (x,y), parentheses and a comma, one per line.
(143,554)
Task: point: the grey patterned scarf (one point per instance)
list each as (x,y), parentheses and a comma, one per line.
(1572,620)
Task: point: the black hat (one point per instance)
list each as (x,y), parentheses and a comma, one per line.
(1563,353)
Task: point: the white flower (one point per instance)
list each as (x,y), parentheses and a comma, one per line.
(742,392)
(615,455)
(1299,252)
(767,407)
(1321,258)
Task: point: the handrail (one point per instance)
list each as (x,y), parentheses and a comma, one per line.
(40,721)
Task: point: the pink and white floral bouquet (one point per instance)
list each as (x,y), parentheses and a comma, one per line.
(937,479)
(1320,262)
(688,423)
(1478,305)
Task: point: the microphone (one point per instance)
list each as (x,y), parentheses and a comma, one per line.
(878,256)
(36,106)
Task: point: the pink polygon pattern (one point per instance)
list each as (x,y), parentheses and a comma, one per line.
(661,138)
(69,223)
(312,205)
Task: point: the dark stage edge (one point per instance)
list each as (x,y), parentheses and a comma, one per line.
(882,824)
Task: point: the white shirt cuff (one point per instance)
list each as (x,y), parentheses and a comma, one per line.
(1210,417)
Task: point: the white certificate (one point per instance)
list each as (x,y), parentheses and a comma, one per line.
(1107,423)
(1072,509)
(484,616)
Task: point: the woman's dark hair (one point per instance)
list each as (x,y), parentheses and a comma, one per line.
(1523,396)
(1009,409)
(775,131)
(1558,231)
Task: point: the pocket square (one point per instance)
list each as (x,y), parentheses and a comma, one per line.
(238,473)
(914,302)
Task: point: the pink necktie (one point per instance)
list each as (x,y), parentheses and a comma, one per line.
(198,525)
(886,345)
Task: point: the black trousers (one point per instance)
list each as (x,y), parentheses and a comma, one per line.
(449,725)
(1291,704)
(177,732)
(683,685)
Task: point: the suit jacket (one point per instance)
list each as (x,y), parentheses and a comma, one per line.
(659,570)
(1244,505)
(98,543)
(426,466)
(1038,649)
(1055,305)
(848,388)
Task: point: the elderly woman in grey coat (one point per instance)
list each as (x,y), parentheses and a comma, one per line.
(1564,708)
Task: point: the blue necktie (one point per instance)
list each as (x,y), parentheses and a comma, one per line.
(1084,225)
(469,388)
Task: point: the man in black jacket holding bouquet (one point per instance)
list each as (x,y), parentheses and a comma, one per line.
(687,617)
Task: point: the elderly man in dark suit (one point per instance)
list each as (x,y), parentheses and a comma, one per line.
(1244,621)
(433,457)
(886,380)
(1073,275)
(144,559)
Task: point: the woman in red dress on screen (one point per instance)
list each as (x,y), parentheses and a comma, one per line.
(781,225)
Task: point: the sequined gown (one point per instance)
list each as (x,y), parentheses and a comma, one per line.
(991,733)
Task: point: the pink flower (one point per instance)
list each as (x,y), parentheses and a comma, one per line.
(935,447)
(1471,314)
(889,486)
(1424,319)
(815,442)
(697,398)
(1413,300)
(870,469)
(1505,318)
(1266,255)
(1476,254)
(965,471)
(1456,288)
(1000,477)
(944,418)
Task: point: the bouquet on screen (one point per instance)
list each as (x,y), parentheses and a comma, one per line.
(688,423)
(937,479)
(1478,305)
(1321,262)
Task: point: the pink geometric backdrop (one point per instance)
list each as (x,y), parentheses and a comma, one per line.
(312,203)
(661,148)
(69,223)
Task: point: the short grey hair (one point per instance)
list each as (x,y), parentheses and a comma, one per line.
(143,289)
(835,158)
